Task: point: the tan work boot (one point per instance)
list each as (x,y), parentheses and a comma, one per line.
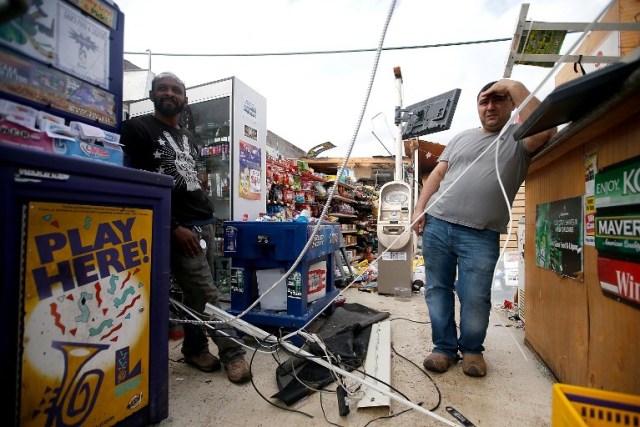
(438,362)
(204,361)
(473,365)
(238,370)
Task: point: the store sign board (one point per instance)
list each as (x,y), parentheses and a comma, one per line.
(618,185)
(620,279)
(619,234)
(85,358)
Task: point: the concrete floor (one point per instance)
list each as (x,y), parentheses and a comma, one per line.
(515,392)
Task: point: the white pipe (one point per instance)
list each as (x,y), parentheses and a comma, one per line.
(261,334)
(398,74)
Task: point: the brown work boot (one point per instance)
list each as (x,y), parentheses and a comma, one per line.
(438,362)
(238,370)
(204,361)
(473,365)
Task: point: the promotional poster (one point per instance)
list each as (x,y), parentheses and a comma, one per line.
(559,233)
(85,356)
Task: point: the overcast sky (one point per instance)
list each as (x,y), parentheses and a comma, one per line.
(316,98)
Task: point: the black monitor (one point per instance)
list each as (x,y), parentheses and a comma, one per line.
(573,99)
(431,115)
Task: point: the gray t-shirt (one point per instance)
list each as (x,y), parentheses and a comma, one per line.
(476,199)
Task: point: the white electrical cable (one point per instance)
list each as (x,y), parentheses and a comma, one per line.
(497,139)
(557,65)
(208,323)
(245,326)
(338,177)
(235,320)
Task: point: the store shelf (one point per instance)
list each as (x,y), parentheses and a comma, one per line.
(339,215)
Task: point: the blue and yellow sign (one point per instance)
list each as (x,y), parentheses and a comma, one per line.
(87,273)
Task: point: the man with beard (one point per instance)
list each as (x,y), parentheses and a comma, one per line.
(158,143)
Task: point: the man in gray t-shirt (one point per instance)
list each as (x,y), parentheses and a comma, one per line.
(466,211)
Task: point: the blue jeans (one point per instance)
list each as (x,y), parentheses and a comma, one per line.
(194,275)
(446,246)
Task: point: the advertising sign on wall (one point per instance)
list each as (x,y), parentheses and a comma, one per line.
(617,194)
(56,33)
(618,234)
(31,80)
(559,236)
(250,171)
(590,168)
(86,324)
(82,46)
(620,279)
(618,185)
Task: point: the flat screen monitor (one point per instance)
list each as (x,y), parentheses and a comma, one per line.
(431,115)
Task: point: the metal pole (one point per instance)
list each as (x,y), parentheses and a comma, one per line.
(398,75)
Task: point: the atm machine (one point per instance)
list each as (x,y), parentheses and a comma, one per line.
(395,245)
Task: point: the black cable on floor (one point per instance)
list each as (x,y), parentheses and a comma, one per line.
(264,398)
(426,373)
(410,320)
(325,414)
(391,416)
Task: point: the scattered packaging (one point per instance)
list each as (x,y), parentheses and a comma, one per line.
(14,133)
(18,113)
(44,117)
(17,126)
(87,132)
(55,130)
(111,138)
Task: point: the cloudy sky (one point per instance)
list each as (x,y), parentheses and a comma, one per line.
(319,97)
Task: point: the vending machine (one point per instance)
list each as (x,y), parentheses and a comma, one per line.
(229,121)
(395,245)
(84,267)
(84,261)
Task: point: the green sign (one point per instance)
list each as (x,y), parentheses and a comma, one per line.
(619,234)
(618,185)
(559,236)
(540,42)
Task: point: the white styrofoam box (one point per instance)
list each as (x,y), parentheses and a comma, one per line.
(276,298)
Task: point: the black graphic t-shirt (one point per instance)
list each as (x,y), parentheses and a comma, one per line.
(153,146)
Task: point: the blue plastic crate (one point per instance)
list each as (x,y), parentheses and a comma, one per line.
(278,241)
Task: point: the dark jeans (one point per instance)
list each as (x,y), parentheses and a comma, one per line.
(446,246)
(194,275)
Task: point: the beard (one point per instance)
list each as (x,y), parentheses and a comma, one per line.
(169,108)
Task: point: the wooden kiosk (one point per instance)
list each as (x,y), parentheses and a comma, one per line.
(585,335)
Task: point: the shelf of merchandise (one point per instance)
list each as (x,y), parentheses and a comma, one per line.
(291,189)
